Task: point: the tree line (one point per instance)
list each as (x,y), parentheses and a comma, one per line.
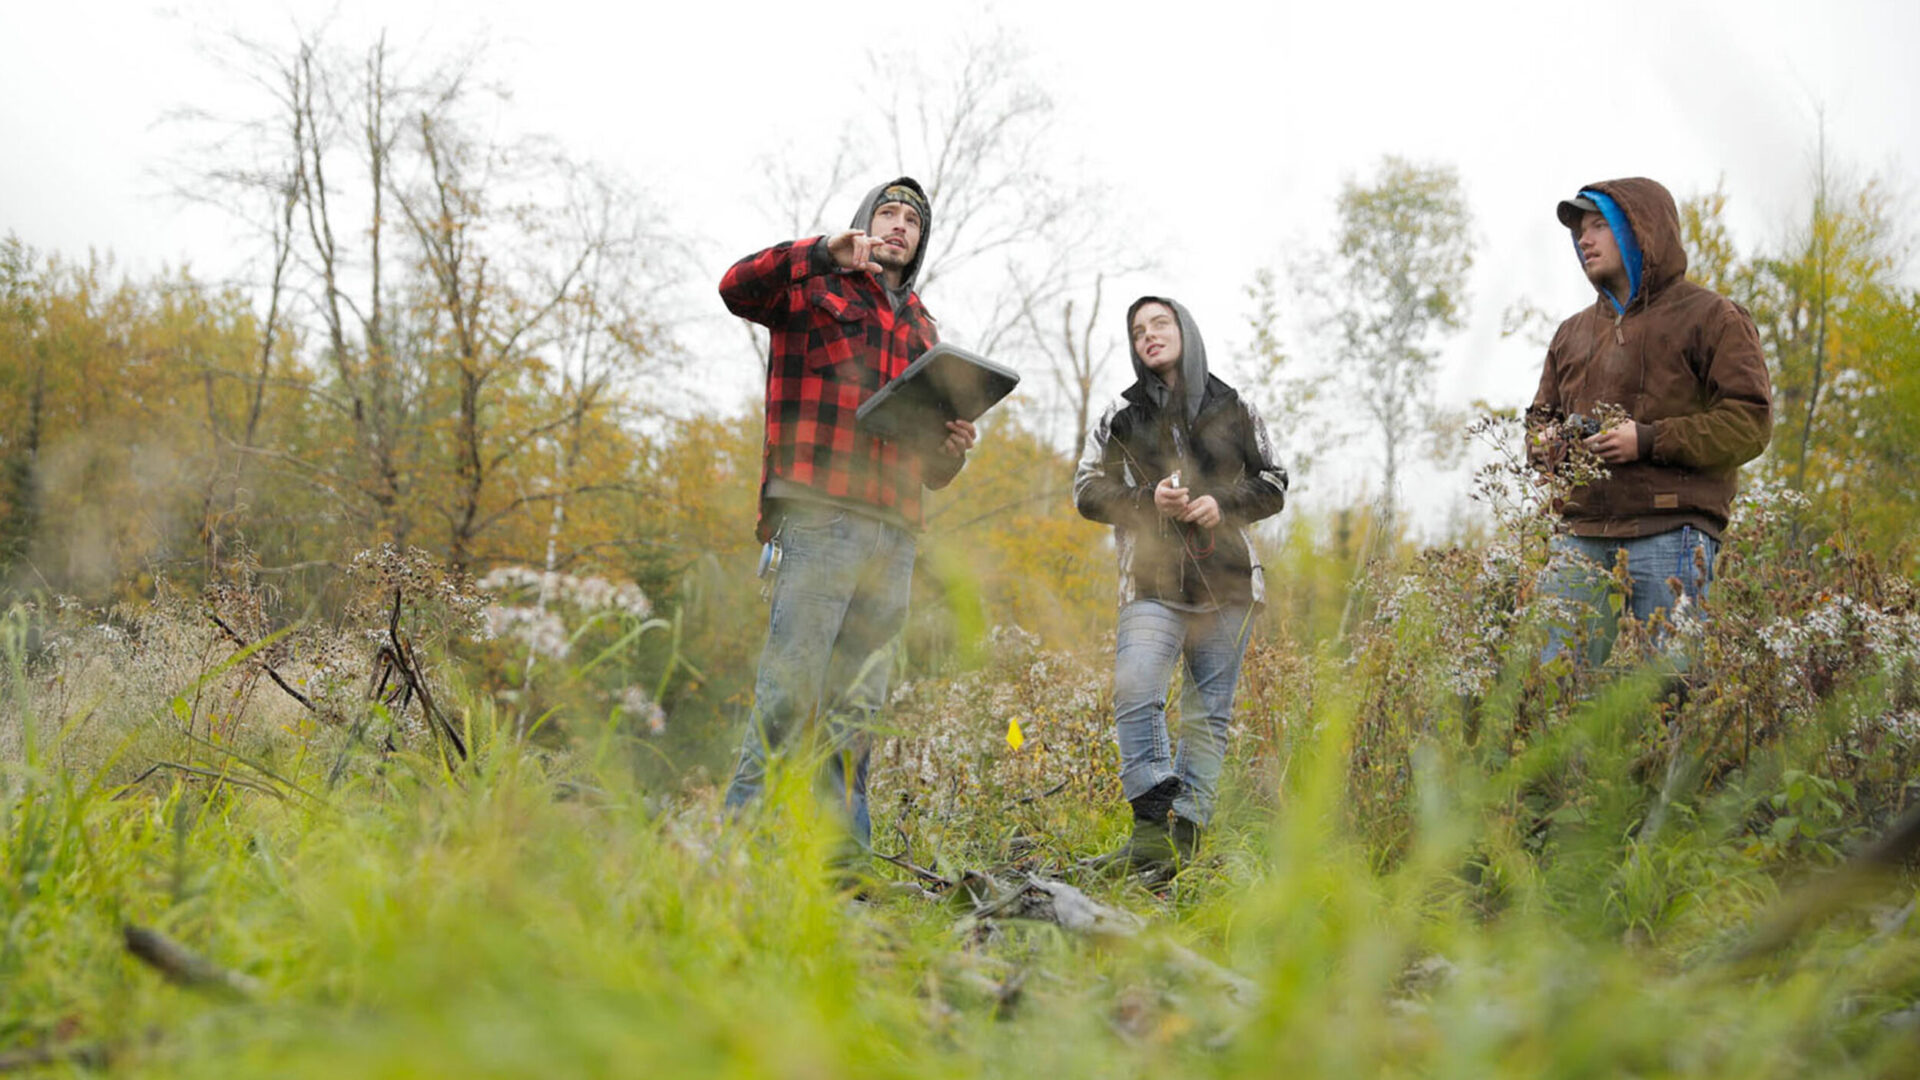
(451,334)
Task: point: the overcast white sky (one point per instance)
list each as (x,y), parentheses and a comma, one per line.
(1224,128)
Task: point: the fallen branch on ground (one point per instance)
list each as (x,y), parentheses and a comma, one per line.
(1045,900)
(184,967)
(1864,875)
(85,1055)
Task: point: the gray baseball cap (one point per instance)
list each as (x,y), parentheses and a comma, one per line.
(1570,210)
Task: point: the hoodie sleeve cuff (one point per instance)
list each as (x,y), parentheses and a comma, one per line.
(819,261)
(1643,436)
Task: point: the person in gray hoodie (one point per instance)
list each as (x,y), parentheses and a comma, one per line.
(844,507)
(1180,466)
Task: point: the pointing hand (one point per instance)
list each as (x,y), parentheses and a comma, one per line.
(853,250)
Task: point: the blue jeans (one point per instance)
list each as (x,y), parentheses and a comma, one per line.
(1152,638)
(839,601)
(1580,569)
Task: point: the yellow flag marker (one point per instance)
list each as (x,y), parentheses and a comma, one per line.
(1014,738)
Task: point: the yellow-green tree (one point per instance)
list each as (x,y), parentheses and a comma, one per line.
(118,398)
(1004,543)
(22,401)
(1397,281)
(1839,333)
(1814,302)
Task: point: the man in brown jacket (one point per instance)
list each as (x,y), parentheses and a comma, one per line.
(1679,367)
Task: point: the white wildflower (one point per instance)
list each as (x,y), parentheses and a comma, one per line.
(637,704)
(543,632)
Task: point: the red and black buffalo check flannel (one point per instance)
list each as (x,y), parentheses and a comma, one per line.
(835,340)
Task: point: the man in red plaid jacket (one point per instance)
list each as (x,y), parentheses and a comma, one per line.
(842,506)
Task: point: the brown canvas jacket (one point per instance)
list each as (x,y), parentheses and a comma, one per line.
(1684,362)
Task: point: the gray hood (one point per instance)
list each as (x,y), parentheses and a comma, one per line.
(1193,358)
(863,220)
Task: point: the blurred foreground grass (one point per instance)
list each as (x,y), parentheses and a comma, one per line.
(537,914)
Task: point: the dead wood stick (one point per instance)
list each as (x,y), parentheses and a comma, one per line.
(184,967)
(87,1055)
(225,778)
(1238,986)
(920,872)
(409,667)
(1047,794)
(377,683)
(989,896)
(410,658)
(906,842)
(268,668)
(257,767)
(1868,871)
(127,788)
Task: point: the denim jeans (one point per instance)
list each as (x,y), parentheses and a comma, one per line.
(1580,569)
(1152,638)
(838,603)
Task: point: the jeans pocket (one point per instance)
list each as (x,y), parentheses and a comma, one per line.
(803,516)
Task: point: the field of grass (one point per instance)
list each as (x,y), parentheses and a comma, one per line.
(1433,858)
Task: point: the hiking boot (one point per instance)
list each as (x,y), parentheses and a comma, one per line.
(1150,847)
(1186,840)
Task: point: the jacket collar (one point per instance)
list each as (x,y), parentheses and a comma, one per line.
(1217,397)
(872,290)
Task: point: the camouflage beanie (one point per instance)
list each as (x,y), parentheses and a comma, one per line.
(903,193)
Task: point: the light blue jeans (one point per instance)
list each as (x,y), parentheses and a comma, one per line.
(1580,569)
(1152,638)
(839,602)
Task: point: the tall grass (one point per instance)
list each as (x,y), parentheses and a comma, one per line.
(1433,857)
(546,918)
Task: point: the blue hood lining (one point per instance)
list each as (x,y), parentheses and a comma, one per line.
(1624,239)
